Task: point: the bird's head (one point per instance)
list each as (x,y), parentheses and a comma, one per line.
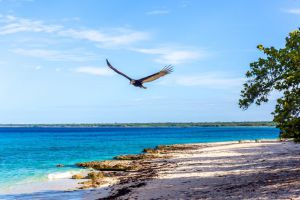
(131,82)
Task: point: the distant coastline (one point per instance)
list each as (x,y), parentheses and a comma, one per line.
(159,124)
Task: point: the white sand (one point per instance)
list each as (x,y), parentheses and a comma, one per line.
(268,170)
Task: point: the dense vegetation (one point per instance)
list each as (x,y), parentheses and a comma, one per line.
(167,124)
(278,71)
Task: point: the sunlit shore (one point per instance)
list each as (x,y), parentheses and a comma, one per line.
(230,170)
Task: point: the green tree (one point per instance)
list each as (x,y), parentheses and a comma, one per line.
(279,70)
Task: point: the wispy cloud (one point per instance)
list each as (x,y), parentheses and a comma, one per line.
(55,55)
(293,11)
(18,2)
(207,80)
(99,71)
(158,12)
(16,25)
(113,37)
(172,56)
(118,37)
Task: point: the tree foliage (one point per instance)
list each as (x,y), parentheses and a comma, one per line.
(278,71)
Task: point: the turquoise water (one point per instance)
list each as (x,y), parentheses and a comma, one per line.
(30,154)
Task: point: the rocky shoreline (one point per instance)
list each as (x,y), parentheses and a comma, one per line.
(227,170)
(128,171)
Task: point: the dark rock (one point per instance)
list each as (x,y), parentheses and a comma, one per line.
(139,157)
(109,165)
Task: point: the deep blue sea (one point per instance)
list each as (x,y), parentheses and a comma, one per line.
(31,154)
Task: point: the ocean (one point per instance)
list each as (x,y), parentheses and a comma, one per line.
(31,154)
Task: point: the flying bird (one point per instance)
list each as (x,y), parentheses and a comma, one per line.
(139,82)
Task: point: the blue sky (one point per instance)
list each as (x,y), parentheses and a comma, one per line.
(52,58)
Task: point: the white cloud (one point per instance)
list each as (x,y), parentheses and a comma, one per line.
(99,71)
(16,25)
(209,80)
(113,37)
(55,55)
(172,56)
(18,2)
(158,12)
(104,39)
(293,11)
(123,37)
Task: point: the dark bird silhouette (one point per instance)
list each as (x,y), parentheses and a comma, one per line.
(139,82)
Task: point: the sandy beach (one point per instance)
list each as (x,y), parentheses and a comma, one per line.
(269,170)
(226,170)
(266,170)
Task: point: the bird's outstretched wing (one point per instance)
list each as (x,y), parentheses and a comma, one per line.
(110,66)
(166,70)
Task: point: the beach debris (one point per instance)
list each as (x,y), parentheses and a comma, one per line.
(60,165)
(125,190)
(110,165)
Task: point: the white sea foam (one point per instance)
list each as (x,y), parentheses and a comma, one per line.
(62,175)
